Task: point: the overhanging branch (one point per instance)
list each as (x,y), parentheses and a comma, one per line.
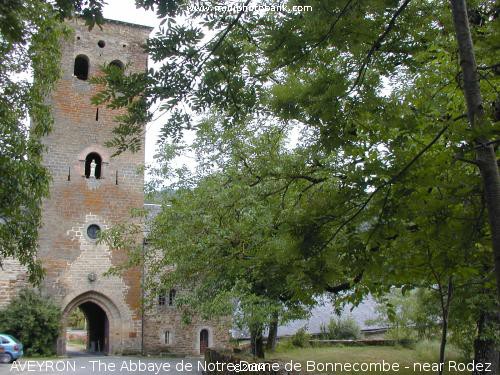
(389,182)
(344,286)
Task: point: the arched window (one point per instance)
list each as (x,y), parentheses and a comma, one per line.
(167,338)
(171,297)
(118,64)
(81,68)
(93,156)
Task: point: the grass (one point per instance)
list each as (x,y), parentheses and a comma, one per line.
(406,357)
(77,342)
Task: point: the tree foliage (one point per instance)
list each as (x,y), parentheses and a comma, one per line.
(34,320)
(76,319)
(382,187)
(29,41)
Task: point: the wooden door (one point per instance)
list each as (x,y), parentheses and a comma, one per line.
(203,341)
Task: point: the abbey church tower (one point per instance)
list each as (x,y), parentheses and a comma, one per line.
(90,191)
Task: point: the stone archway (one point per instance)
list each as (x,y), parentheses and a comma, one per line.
(104,323)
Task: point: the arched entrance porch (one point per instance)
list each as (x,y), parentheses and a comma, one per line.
(102,333)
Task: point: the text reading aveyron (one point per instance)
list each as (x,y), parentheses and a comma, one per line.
(160,367)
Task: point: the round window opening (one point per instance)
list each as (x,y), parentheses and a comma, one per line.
(93,231)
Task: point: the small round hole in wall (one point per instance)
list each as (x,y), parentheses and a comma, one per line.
(77,38)
(101,43)
(93,231)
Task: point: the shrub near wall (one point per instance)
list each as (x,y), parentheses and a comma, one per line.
(215,356)
(34,320)
(341,329)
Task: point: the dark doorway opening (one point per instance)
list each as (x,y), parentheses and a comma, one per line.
(203,341)
(90,336)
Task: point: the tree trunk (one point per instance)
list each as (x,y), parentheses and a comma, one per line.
(485,153)
(257,342)
(445,311)
(442,347)
(485,352)
(273,333)
(484,348)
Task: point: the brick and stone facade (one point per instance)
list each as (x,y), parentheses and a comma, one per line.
(12,278)
(183,338)
(74,262)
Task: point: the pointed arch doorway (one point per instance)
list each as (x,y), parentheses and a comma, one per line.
(91,335)
(101,317)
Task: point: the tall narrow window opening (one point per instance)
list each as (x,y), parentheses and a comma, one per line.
(171,297)
(81,68)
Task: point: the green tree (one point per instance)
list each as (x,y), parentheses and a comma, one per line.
(224,239)
(388,144)
(34,320)
(77,319)
(409,316)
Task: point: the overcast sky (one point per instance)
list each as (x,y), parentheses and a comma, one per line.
(125,10)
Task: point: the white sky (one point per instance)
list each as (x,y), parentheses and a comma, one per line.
(125,10)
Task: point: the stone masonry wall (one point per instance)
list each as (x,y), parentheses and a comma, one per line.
(184,338)
(158,319)
(13,278)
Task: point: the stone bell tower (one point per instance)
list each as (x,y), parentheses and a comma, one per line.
(91,191)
